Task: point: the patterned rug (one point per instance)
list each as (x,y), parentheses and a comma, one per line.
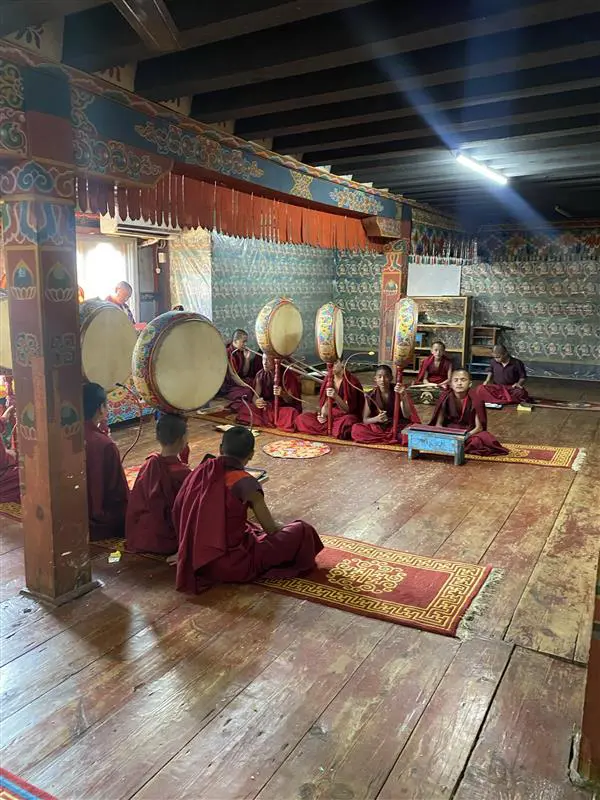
(427,593)
(541,455)
(296,448)
(14,788)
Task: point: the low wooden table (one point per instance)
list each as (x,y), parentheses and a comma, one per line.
(441,441)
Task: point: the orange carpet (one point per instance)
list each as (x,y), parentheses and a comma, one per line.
(432,594)
(542,455)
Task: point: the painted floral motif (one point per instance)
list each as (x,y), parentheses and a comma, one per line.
(357,290)
(301,184)
(70,422)
(356,201)
(23,283)
(296,448)
(35,178)
(26,348)
(31,35)
(60,286)
(406,329)
(201,150)
(27,425)
(12,130)
(62,349)
(44,223)
(11,86)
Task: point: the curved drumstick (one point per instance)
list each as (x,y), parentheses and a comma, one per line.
(249,407)
(330,400)
(287,391)
(397,402)
(276,385)
(238,378)
(360,388)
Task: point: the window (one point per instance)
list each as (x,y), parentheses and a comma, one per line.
(102,262)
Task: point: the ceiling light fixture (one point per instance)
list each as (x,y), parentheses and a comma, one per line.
(481,169)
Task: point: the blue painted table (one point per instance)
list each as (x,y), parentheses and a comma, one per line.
(441,441)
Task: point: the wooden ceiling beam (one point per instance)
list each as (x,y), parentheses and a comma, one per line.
(197,24)
(152,22)
(19,14)
(357,35)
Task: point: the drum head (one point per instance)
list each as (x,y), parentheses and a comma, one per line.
(189,364)
(5,351)
(107,343)
(338,332)
(285,329)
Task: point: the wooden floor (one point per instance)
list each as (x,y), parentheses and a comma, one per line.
(136,691)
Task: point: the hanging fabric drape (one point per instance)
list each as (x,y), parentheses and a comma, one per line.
(188,203)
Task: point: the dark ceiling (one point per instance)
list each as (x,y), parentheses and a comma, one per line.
(379,89)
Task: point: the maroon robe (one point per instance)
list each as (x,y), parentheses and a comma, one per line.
(217,544)
(149,526)
(9,472)
(288,408)
(434,374)
(380,432)
(502,390)
(106,485)
(231,390)
(461,414)
(351,393)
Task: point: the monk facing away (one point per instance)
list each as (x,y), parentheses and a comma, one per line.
(505,380)
(347,400)
(464,410)
(106,483)
(378,411)
(9,464)
(149,524)
(242,368)
(217,543)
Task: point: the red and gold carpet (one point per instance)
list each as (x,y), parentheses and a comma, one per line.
(14,788)
(296,448)
(428,593)
(541,455)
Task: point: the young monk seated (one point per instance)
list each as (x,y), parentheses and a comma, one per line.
(464,410)
(378,411)
(9,463)
(242,369)
(263,408)
(505,381)
(217,544)
(436,369)
(106,483)
(149,526)
(347,401)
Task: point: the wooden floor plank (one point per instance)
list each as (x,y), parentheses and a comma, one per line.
(165,714)
(555,606)
(12,575)
(242,747)
(62,715)
(432,762)
(524,748)
(344,754)
(517,547)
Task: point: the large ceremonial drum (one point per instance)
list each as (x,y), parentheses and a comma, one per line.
(329,333)
(405,330)
(107,342)
(179,361)
(5,351)
(279,328)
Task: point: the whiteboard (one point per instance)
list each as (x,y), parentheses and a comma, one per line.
(433,280)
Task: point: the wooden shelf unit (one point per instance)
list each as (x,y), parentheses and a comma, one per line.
(448,319)
(483,339)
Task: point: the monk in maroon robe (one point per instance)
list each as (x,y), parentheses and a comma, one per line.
(149,525)
(378,412)
(436,369)
(347,401)
(217,544)
(9,464)
(504,384)
(263,403)
(121,298)
(242,369)
(464,410)
(106,483)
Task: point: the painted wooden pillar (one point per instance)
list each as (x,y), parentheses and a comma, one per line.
(394,279)
(40,257)
(588,765)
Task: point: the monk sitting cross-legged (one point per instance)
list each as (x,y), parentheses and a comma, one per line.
(242,368)
(263,408)
(149,526)
(436,369)
(347,401)
(464,410)
(217,544)
(9,464)
(106,483)
(505,380)
(378,412)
